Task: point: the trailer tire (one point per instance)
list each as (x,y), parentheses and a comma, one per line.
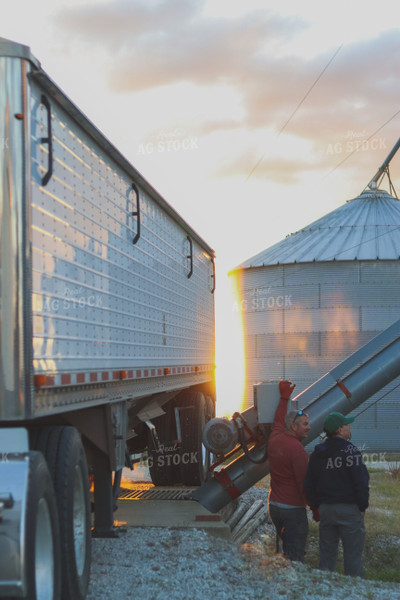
(195,458)
(210,408)
(210,415)
(66,459)
(42,539)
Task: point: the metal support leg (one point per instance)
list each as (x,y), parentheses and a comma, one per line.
(103,497)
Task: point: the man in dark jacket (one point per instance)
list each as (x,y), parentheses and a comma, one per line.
(337,483)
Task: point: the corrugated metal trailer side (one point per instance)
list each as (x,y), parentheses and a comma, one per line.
(122,287)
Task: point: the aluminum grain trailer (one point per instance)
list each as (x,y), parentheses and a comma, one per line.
(106,332)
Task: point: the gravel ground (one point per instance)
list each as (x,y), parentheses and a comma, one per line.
(181,564)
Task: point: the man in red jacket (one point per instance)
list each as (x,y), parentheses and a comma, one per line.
(288,463)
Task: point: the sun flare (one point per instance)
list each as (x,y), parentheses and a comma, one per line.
(230,349)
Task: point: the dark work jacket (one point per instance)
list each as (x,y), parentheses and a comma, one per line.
(336,474)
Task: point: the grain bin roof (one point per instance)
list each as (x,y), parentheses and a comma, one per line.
(364,228)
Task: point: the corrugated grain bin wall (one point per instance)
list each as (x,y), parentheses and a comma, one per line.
(318,295)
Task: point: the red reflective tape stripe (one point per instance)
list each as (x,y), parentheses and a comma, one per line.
(39,380)
(227,483)
(344,389)
(60,379)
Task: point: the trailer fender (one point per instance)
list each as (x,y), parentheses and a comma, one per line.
(29,530)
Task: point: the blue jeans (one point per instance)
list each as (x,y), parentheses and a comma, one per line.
(291,526)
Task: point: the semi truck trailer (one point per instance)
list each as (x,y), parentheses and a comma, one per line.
(106,332)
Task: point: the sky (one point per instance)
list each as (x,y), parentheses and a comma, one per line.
(252,119)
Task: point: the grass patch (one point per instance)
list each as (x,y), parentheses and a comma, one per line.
(382,547)
(394,470)
(390,457)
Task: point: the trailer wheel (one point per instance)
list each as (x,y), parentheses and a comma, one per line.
(42,542)
(65,455)
(194,409)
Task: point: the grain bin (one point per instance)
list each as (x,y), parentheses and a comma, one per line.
(313,298)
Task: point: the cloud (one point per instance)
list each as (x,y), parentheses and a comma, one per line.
(156,43)
(170,41)
(362,76)
(121,24)
(279,170)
